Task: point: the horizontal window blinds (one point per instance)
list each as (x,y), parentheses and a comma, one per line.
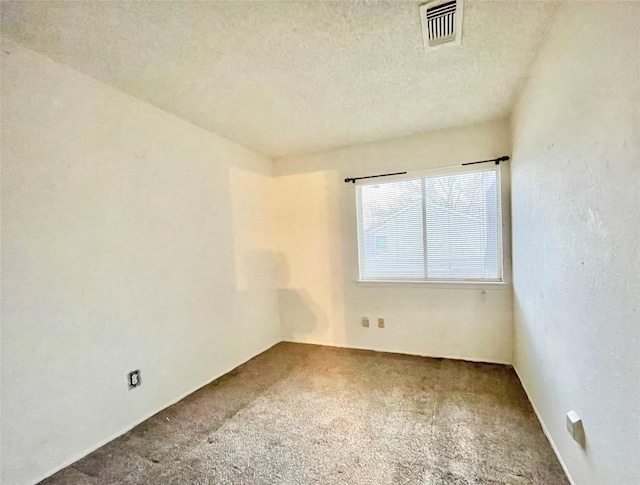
(442,227)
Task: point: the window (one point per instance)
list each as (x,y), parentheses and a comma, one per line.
(440,226)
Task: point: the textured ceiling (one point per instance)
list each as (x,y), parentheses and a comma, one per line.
(285,77)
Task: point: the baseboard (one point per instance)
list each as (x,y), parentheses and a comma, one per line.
(402,352)
(544,429)
(136,423)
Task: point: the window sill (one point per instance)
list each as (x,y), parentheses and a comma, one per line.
(458,285)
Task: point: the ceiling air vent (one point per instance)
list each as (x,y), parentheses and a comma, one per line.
(441,23)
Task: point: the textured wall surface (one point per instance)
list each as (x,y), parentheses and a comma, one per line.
(130,240)
(576,238)
(315,229)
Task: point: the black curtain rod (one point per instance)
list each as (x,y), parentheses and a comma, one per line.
(496,160)
(353,179)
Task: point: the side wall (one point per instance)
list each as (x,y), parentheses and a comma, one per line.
(129,241)
(576,238)
(320,299)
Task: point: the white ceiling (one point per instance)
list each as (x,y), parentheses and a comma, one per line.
(285,77)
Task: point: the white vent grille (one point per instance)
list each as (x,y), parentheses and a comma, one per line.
(441,23)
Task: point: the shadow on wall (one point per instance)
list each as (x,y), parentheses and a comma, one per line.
(299,313)
(307,228)
(263,277)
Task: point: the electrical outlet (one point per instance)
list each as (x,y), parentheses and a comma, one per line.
(134,379)
(574,426)
(365,321)
(380,322)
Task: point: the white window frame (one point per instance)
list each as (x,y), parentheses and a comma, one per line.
(454,282)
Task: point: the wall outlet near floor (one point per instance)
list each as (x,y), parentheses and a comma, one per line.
(134,379)
(574,426)
(365,321)
(380,322)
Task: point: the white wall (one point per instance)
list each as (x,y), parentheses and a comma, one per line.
(315,218)
(576,238)
(129,239)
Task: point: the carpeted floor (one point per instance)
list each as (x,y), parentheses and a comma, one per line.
(303,414)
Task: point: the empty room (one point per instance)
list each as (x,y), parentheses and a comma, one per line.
(320,242)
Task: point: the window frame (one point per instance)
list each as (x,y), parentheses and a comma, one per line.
(444,282)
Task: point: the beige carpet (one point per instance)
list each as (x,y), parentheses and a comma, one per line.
(302,414)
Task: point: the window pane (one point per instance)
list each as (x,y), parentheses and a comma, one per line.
(462,217)
(392,232)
